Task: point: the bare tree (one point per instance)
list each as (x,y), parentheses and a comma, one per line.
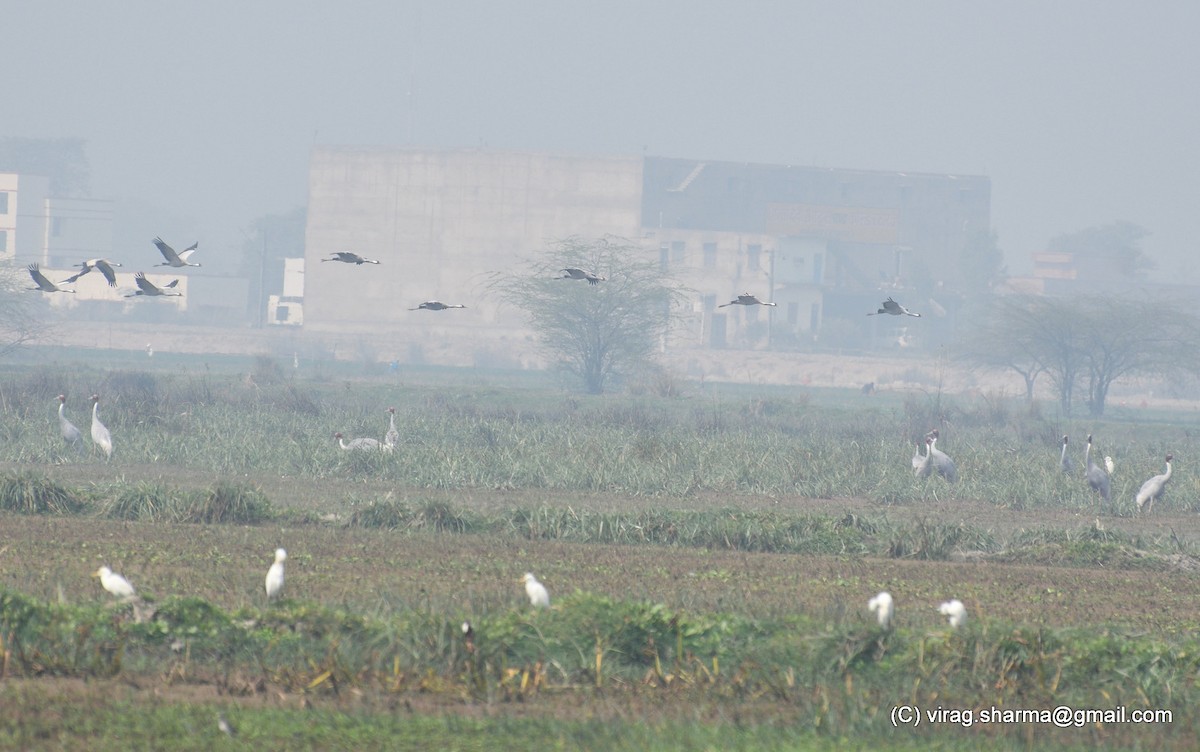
(1102,339)
(18,322)
(603,324)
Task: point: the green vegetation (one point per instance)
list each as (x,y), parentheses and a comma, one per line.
(709,559)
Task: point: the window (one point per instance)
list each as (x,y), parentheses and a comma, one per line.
(710,255)
(3,240)
(3,202)
(752,254)
(793,315)
(710,303)
(818,268)
(677,249)
(56,226)
(664,257)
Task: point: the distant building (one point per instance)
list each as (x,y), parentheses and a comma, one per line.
(818,242)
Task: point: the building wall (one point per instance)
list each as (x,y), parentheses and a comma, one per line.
(440,221)
(23,223)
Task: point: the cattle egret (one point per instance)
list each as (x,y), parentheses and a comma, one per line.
(538,595)
(114,583)
(884,608)
(955,612)
(275,574)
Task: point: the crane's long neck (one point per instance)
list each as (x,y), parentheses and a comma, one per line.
(1167,475)
(62,416)
(1064,453)
(95,410)
(1087,455)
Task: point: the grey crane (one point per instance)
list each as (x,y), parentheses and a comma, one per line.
(72,435)
(179,259)
(146,287)
(1096,477)
(923,465)
(42,283)
(893,308)
(104,266)
(436,305)
(1153,488)
(573,273)
(941,461)
(1066,463)
(392,436)
(746,299)
(101,436)
(347,257)
(365,443)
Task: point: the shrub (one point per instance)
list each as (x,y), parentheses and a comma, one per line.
(226,503)
(26,493)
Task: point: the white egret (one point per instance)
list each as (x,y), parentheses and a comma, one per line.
(884,608)
(538,595)
(955,612)
(114,583)
(275,574)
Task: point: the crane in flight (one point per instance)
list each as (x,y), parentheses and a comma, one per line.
(746,299)
(573,273)
(346,257)
(179,259)
(146,287)
(104,266)
(893,308)
(43,284)
(436,305)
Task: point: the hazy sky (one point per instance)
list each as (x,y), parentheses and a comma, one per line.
(1081,112)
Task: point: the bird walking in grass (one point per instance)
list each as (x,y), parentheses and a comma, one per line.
(893,308)
(392,437)
(923,464)
(746,299)
(171,258)
(365,444)
(941,461)
(1153,488)
(114,583)
(884,608)
(1064,461)
(43,284)
(955,612)
(70,433)
(225,726)
(101,436)
(274,581)
(1097,478)
(539,597)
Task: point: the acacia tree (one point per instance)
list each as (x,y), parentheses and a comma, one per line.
(595,331)
(1100,339)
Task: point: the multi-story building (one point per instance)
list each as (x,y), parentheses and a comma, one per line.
(820,243)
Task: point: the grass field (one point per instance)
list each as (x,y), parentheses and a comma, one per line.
(709,559)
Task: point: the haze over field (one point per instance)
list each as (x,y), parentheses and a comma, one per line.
(199,117)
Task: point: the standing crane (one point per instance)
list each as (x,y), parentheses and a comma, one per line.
(365,443)
(893,308)
(1096,477)
(922,466)
(104,266)
(392,436)
(572,273)
(746,299)
(179,259)
(72,435)
(43,284)
(101,436)
(1066,463)
(941,461)
(1153,488)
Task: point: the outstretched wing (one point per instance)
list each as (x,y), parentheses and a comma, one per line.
(146,285)
(167,251)
(107,271)
(74,277)
(40,280)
